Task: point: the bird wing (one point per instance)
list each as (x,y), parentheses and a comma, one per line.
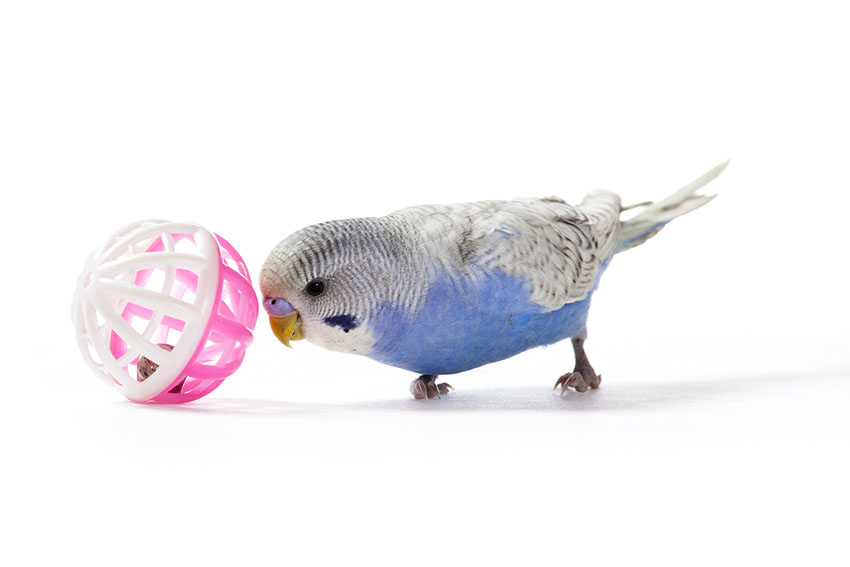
(558,248)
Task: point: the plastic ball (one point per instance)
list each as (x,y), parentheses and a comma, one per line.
(164,311)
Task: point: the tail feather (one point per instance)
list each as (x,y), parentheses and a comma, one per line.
(648,222)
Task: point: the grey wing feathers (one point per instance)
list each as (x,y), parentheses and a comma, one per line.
(557,247)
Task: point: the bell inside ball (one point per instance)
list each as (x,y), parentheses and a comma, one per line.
(164,311)
(145,367)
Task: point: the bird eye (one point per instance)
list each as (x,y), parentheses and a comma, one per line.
(316,286)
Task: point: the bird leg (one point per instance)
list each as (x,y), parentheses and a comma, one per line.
(426,387)
(583,376)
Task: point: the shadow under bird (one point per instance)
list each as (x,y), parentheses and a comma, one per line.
(440,289)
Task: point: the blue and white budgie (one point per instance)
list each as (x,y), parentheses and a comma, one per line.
(440,289)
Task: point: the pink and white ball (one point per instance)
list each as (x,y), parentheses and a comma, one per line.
(164,311)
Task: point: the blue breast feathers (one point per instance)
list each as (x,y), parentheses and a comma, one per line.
(469,321)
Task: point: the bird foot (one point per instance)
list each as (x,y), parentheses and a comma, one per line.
(426,387)
(578,379)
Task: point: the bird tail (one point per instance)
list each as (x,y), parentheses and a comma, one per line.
(649,221)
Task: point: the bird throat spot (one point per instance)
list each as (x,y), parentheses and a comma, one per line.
(344,322)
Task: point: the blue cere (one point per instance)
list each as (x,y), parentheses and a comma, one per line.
(466,323)
(277,306)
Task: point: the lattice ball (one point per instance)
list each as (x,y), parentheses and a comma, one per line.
(164,311)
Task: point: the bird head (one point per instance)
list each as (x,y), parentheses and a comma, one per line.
(324,282)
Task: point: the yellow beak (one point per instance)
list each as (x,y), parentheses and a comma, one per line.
(287,328)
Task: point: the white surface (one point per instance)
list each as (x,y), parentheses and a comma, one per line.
(722,429)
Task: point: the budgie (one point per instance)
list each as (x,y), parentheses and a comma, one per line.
(441,289)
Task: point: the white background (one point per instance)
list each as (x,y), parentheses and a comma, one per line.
(722,429)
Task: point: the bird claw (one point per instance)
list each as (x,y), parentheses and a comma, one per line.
(444,388)
(578,382)
(426,387)
(571,380)
(419,390)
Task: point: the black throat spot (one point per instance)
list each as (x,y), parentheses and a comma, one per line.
(344,322)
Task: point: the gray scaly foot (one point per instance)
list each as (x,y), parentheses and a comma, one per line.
(426,387)
(583,377)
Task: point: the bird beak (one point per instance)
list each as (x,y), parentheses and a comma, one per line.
(287,327)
